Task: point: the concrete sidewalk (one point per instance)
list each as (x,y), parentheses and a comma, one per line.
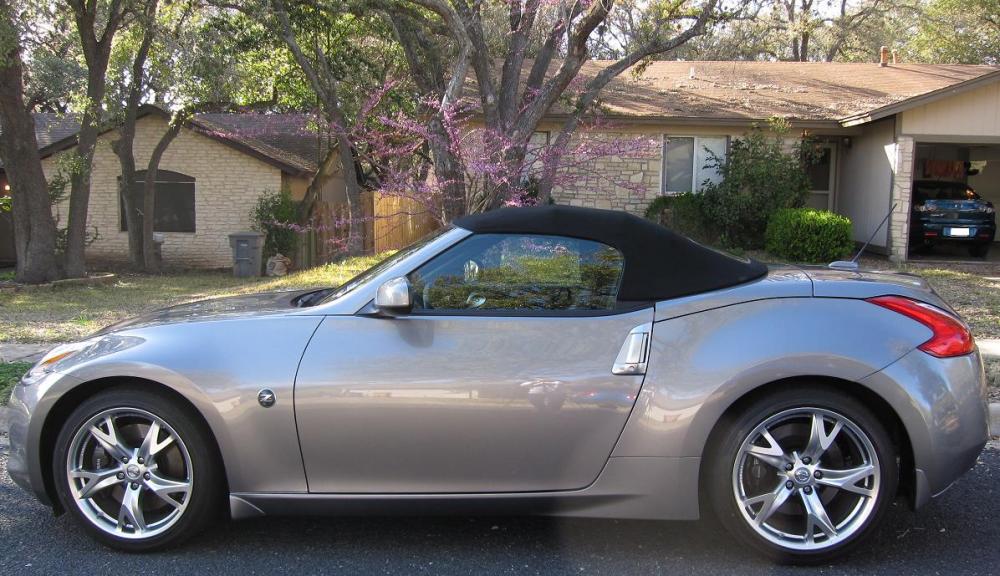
(24,352)
(989,348)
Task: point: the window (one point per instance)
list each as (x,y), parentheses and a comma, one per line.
(685,159)
(174,201)
(519,272)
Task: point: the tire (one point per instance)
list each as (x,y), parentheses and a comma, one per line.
(854,439)
(130,489)
(979,250)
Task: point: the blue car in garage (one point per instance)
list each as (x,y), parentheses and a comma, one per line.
(945,212)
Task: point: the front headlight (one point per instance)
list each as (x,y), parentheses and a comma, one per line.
(66,355)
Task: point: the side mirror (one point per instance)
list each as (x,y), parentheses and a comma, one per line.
(393,297)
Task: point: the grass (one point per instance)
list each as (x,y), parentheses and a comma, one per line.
(72,312)
(10,373)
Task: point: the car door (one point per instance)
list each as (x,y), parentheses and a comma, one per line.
(500,380)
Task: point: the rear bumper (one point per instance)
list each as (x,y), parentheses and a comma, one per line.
(928,231)
(943,408)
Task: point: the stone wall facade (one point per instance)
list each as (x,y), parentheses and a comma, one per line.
(227,183)
(629,181)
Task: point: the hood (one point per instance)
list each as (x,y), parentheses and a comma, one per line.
(231,307)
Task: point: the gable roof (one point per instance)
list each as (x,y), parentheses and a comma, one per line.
(291,142)
(740,92)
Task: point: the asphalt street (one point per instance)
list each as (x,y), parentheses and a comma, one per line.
(957,534)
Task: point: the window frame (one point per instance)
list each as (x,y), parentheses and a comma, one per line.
(174,178)
(665,137)
(619,307)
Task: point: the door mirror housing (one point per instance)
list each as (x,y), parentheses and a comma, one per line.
(394,298)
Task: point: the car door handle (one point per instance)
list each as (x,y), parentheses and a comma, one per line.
(633,356)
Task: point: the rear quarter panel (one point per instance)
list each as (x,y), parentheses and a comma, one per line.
(701,363)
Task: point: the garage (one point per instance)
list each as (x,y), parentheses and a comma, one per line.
(955,190)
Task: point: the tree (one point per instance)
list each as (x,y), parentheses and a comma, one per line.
(97,23)
(34,228)
(124,145)
(514,98)
(959,31)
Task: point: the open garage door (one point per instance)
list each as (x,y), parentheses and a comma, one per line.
(955,190)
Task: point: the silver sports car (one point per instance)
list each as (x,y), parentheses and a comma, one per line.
(553,360)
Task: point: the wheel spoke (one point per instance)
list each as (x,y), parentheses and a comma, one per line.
(816,517)
(164,487)
(771,454)
(819,439)
(109,439)
(130,513)
(95,481)
(151,444)
(771,502)
(848,479)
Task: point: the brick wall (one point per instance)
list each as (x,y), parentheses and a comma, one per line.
(227,183)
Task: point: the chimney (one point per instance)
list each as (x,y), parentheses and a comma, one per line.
(883,56)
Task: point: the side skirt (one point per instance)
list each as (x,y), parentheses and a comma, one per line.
(648,488)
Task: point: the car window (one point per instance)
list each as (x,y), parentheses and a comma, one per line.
(362,278)
(519,272)
(926,192)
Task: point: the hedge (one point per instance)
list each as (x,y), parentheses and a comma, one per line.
(809,235)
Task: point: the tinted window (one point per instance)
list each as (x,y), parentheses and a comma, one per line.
(520,272)
(943,191)
(173,198)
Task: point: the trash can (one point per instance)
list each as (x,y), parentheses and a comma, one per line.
(248,248)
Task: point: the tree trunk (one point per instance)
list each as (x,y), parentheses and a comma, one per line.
(34,227)
(152,265)
(79,196)
(124,147)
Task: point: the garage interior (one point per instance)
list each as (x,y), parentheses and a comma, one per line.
(977,166)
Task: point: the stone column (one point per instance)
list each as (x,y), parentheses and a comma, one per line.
(902,188)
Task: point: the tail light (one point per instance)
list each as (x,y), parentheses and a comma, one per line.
(951,337)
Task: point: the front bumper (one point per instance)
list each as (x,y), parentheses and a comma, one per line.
(28,407)
(943,407)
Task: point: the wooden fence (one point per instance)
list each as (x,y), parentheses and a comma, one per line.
(390,223)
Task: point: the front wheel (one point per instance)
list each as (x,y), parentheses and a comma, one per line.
(803,475)
(135,469)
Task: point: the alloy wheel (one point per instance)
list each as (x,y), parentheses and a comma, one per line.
(806,479)
(129,473)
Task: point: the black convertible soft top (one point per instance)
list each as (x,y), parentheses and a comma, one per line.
(659,263)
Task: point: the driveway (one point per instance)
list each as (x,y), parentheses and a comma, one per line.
(957,534)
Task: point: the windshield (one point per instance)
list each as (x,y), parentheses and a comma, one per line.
(944,191)
(350,285)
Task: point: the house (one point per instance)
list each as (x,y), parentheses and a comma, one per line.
(882,126)
(209,178)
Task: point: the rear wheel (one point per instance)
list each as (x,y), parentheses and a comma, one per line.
(135,469)
(803,475)
(979,250)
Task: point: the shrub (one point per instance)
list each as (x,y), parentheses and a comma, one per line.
(760,176)
(272,214)
(808,235)
(682,213)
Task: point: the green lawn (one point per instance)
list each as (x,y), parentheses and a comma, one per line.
(68,313)
(10,373)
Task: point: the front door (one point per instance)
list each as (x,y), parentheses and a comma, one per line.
(499,381)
